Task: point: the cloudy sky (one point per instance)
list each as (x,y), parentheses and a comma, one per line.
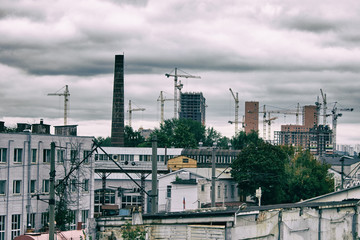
(279,53)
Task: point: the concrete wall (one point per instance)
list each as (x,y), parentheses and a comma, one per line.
(331,221)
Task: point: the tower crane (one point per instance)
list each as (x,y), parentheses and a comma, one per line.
(132,110)
(335,116)
(269,119)
(162,100)
(66,95)
(178,86)
(242,122)
(324,106)
(236,122)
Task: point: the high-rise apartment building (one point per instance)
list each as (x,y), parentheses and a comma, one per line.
(192,106)
(251,117)
(117,125)
(309,135)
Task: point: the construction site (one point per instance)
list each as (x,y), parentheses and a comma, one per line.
(310,130)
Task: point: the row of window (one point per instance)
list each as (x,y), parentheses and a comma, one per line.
(129,157)
(60,155)
(45,186)
(16,222)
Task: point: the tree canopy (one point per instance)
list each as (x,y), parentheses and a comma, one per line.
(284,175)
(261,165)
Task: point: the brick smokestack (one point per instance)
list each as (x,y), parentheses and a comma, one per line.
(117,125)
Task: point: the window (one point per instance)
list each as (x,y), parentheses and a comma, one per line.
(2,187)
(73,217)
(33,186)
(168,191)
(87,156)
(86,185)
(130,200)
(225,191)
(2,227)
(45,219)
(3,152)
(202,187)
(84,217)
(73,185)
(33,155)
(17,155)
(219,192)
(74,156)
(15,225)
(17,187)
(46,155)
(98,198)
(60,155)
(185,160)
(46,186)
(232,191)
(30,220)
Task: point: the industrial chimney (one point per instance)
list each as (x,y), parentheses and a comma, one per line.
(117,128)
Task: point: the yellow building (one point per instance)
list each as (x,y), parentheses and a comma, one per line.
(180,162)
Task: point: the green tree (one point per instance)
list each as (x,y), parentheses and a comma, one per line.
(307,177)
(133,232)
(261,165)
(242,140)
(181,133)
(212,136)
(132,138)
(105,142)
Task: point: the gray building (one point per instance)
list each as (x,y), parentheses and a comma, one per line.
(192,106)
(25,179)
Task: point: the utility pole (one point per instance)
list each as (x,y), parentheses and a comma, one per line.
(154,190)
(213,177)
(52,193)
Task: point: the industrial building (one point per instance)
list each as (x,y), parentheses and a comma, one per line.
(25,172)
(192,106)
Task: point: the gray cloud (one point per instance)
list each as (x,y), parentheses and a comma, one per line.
(278,53)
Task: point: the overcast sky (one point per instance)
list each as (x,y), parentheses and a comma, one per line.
(279,53)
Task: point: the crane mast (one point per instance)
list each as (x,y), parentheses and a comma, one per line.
(132,110)
(236,98)
(324,106)
(162,100)
(335,116)
(178,87)
(66,95)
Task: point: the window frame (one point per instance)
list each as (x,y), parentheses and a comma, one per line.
(17,187)
(3,187)
(18,155)
(3,155)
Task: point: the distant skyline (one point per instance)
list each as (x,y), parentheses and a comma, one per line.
(278,53)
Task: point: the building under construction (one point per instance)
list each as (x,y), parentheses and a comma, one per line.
(251,117)
(192,106)
(309,135)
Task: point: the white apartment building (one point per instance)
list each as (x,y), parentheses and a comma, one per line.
(190,189)
(24,179)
